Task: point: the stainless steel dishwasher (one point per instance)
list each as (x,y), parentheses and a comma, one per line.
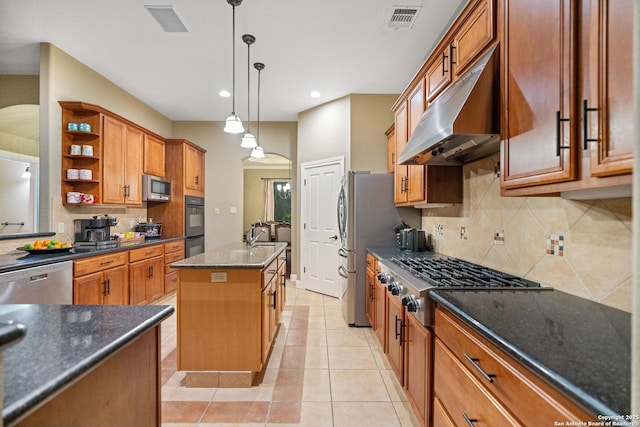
(44,284)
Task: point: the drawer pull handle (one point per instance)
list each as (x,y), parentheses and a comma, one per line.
(559,145)
(474,362)
(470,421)
(106,262)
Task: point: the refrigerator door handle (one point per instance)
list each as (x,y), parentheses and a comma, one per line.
(343,272)
(344,253)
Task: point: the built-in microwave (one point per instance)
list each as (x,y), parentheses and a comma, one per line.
(155,189)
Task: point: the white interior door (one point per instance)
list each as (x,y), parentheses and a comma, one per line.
(320,242)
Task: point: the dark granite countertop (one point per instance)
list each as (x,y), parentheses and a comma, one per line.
(581,347)
(62,343)
(234,255)
(10,333)
(17,259)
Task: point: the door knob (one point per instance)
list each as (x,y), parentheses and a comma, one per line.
(333,237)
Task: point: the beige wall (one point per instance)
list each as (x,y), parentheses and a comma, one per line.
(596,262)
(19,90)
(371,116)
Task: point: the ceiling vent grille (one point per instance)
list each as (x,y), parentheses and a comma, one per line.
(167,18)
(402,17)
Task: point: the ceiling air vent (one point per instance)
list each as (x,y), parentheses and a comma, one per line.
(167,18)
(402,17)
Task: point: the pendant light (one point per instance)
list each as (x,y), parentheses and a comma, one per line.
(258,152)
(233,123)
(248,140)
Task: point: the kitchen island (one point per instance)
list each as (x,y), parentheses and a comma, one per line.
(229,304)
(83,365)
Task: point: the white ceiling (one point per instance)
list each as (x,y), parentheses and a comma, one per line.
(336,47)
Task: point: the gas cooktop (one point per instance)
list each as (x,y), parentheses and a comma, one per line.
(457,273)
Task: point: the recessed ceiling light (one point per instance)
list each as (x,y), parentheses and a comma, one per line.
(315,94)
(224,93)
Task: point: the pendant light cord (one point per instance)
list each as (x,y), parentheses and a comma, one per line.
(248,88)
(258,133)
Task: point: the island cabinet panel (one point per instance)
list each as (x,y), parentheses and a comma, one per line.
(466,364)
(123,390)
(219,319)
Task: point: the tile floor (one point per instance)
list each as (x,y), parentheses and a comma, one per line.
(320,373)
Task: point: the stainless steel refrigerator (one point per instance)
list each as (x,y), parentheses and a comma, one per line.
(366,217)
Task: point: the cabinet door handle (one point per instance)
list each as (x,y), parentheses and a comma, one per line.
(393,158)
(104,288)
(559,145)
(585,125)
(197,180)
(474,362)
(275,298)
(451,48)
(399,331)
(108,286)
(444,57)
(106,263)
(470,421)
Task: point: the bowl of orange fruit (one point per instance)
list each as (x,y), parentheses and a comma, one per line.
(47,246)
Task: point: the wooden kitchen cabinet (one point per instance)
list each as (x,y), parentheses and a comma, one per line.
(194,170)
(173,251)
(417,367)
(380,323)
(567,116)
(153,156)
(490,385)
(475,33)
(370,307)
(146,274)
(122,160)
(391,148)
(282,284)
(171,214)
(101,280)
(395,347)
(401,177)
(438,75)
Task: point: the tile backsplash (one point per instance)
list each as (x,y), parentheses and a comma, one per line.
(594,237)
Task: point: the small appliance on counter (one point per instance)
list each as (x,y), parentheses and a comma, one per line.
(95,232)
(149,229)
(412,240)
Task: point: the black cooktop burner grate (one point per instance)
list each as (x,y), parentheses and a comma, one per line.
(457,273)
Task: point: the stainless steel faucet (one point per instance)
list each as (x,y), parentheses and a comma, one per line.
(252,237)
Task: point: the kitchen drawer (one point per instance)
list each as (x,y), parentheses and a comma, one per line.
(440,416)
(526,395)
(269,272)
(98,263)
(144,253)
(171,282)
(462,395)
(173,257)
(174,246)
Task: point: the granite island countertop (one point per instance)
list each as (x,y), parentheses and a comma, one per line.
(18,259)
(62,343)
(234,255)
(581,347)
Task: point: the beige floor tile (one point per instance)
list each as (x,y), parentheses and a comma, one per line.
(405,414)
(336,322)
(357,385)
(276,357)
(175,379)
(181,393)
(317,358)
(317,386)
(316,310)
(396,393)
(352,337)
(317,338)
(333,311)
(312,414)
(317,323)
(380,358)
(253,394)
(351,358)
(366,413)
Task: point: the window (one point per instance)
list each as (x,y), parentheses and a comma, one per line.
(282,201)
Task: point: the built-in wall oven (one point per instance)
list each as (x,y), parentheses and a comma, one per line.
(193,225)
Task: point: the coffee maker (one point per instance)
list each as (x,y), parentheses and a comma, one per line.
(95,232)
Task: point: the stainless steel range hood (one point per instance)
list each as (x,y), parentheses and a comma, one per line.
(463,123)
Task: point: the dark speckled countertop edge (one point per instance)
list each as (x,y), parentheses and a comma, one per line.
(22,260)
(10,333)
(578,395)
(27,403)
